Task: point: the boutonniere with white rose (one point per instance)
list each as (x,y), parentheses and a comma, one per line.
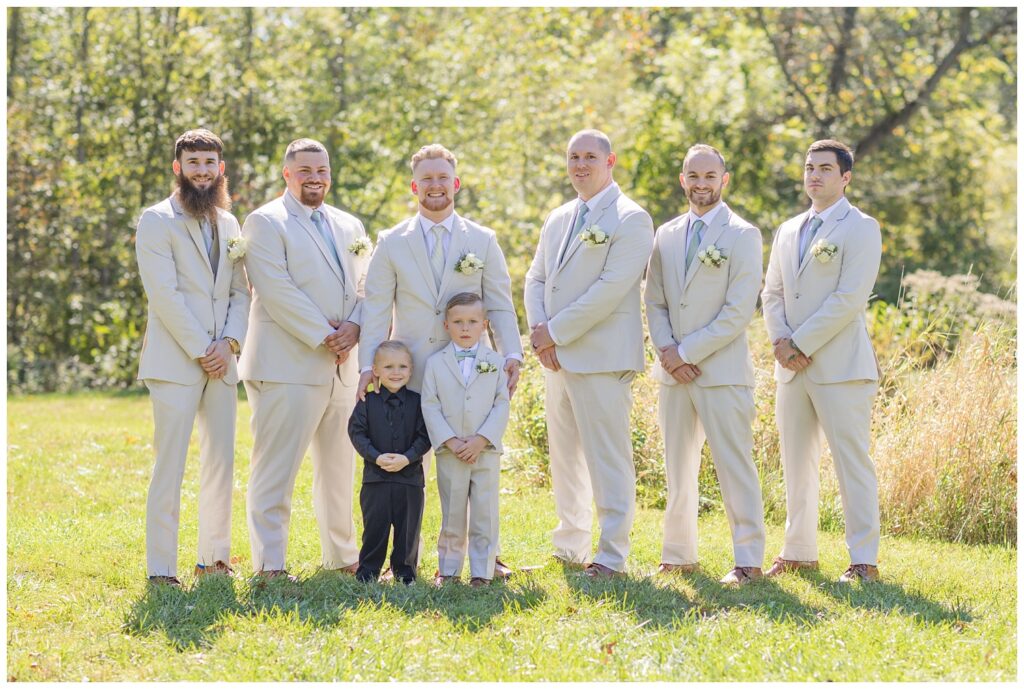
(823,252)
(468,264)
(594,236)
(361,247)
(711,256)
(236,248)
(485,367)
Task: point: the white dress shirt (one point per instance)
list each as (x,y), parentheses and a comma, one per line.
(805,230)
(691,218)
(468,362)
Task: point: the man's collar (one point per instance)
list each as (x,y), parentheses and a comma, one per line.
(707,217)
(426,224)
(592,204)
(824,215)
(387,394)
(475,348)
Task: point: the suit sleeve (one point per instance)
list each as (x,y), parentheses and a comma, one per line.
(773,302)
(493,427)
(658,321)
(627,256)
(266,264)
(381,283)
(359,433)
(536,276)
(359,278)
(430,402)
(239,299)
(160,280)
(421,443)
(740,300)
(862,255)
(501,312)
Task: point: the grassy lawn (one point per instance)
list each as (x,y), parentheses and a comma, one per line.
(79,608)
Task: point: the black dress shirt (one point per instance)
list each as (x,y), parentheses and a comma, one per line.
(390,422)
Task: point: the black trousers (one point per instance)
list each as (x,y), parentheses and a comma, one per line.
(388,506)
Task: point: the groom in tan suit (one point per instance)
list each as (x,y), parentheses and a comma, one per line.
(198,306)
(307,269)
(822,268)
(701,292)
(583,307)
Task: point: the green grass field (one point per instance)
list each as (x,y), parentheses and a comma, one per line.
(79,607)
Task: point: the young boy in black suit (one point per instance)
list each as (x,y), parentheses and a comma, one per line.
(388,432)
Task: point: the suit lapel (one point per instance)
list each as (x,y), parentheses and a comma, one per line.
(711,236)
(594,219)
(418,248)
(564,239)
(453,364)
(795,252)
(297,211)
(460,236)
(223,262)
(483,353)
(341,241)
(836,217)
(195,232)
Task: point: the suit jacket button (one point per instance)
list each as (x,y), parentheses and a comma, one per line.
(432,340)
(798,295)
(437,313)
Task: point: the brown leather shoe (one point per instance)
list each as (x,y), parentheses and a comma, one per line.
(571,564)
(598,571)
(501,570)
(779,566)
(741,575)
(351,569)
(266,575)
(862,572)
(159,580)
(218,567)
(668,568)
(387,576)
(478,582)
(441,579)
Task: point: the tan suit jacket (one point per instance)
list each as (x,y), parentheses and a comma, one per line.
(188,308)
(706,309)
(591,301)
(821,305)
(400,287)
(456,408)
(297,287)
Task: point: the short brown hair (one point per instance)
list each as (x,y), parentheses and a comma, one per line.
(697,149)
(844,154)
(198,140)
(301,145)
(392,346)
(432,151)
(463,299)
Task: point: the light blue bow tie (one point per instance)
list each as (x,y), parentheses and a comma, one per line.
(461,354)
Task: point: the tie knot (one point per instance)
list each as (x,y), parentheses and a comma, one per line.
(698,225)
(393,401)
(437,230)
(816,222)
(461,354)
(315,217)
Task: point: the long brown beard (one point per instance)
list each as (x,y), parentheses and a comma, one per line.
(203,203)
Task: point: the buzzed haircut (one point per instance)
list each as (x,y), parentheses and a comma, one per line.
(432,151)
(198,140)
(392,346)
(602,139)
(697,149)
(301,146)
(463,299)
(844,154)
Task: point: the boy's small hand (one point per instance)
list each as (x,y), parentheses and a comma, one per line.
(455,445)
(398,462)
(471,449)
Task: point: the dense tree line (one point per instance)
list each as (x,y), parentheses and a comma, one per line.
(96,97)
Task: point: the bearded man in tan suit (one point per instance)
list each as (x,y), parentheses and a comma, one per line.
(583,307)
(701,292)
(307,262)
(421,263)
(822,268)
(198,306)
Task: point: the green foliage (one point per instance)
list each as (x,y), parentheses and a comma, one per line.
(96,97)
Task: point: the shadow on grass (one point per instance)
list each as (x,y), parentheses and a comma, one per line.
(663,602)
(891,598)
(189,617)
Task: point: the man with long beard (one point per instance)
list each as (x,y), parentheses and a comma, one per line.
(307,262)
(198,310)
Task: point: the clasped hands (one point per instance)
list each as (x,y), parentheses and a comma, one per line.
(467,449)
(675,366)
(544,347)
(790,357)
(342,340)
(392,461)
(215,360)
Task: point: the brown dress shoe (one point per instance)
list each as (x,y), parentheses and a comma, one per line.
(599,571)
(478,582)
(159,580)
(387,576)
(266,575)
(779,566)
(501,570)
(861,572)
(741,575)
(441,579)
(351,569)
(668,568)
(218,567)
(571,564)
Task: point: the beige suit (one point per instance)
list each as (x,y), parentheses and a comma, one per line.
(188,309)
(456,407)
(707,309)
(298,394)
(400,283)
(821,306)
(591,303)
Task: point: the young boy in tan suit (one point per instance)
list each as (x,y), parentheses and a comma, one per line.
(465,405)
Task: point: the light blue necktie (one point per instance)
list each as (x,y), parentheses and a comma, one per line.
(581,218)
(809,235)
(695,236)
(318,220)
